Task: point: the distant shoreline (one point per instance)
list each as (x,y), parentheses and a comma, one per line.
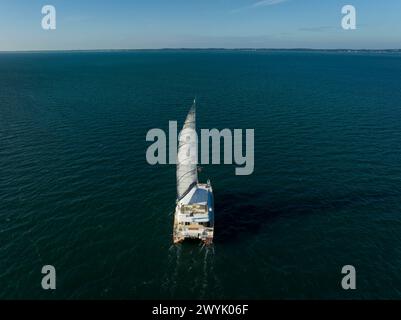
(210,49)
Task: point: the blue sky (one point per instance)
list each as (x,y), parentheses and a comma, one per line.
(134,24)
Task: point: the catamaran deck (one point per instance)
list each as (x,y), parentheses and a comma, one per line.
(194,216)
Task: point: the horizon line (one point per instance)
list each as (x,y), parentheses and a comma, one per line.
(199,49)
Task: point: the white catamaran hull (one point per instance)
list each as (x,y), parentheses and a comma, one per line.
(194,212)
(194,215)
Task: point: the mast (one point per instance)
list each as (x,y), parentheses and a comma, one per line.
(187,155)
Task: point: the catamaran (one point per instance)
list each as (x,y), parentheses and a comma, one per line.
(194,212)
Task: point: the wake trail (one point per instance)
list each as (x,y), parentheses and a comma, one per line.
(172,269)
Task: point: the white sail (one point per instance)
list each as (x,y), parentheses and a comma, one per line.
(187,155)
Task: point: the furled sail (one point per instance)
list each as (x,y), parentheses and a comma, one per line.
(187,155)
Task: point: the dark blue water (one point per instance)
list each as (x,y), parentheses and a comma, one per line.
(76,191)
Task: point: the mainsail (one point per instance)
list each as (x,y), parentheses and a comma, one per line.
(187,156)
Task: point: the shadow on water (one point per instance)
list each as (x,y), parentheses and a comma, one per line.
(245,213)
(239,213)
